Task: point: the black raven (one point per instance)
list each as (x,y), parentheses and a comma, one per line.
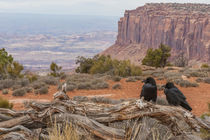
(175,97)
(149,90)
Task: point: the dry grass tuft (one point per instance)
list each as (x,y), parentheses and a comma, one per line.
(63,132)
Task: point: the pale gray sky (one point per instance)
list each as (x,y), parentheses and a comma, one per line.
(79,7)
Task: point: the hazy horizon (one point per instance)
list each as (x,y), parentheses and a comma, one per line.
(79,7)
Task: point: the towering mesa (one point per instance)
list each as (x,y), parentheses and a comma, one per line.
(184,27)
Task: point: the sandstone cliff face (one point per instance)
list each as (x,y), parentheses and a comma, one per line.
(184,27)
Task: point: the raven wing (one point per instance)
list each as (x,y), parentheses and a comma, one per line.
(179,93)
(175,98)
(185,105)
(172,97)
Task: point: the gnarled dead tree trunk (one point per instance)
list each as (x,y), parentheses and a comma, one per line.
(130,119)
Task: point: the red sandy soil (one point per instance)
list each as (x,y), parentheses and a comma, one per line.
(198,97)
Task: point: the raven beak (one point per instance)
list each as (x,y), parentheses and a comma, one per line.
(143,81)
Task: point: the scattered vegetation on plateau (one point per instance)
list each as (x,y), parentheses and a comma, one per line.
(55,70)
(85,81)
(104,64)
(158,57)
(9,68)
(116,86)
(203,66)
(19,92)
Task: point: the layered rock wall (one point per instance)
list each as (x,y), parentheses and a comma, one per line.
(184,27)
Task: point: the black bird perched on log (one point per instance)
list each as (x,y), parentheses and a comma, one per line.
(149,90)
(175,97)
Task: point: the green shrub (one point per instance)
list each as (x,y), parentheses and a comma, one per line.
(106,77)
(104,64)
(19,92)
(135,70)
(157,75)
(38,84)
(14,70)
(71,87)
(200,80)
(207,80)
(85,81)
(50,80)
(116,78)
(172,75)
(16,87)
(19,83)
(5,91)
(157,57)
(55,70)
(125,68)
(5,103)
(43,90)
(174,79)
(203,66)
(130,79)
(84,85)
(102,85)
(23,82)
(181,82)
(116,86)
(199,74)
(95,81)
(28,89)
(195,73)
(7,83)
(5,60)
(32,78)
(185,83)
(8,67)
(85,64)
(77,78)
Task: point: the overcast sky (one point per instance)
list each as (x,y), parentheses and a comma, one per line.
(78,7)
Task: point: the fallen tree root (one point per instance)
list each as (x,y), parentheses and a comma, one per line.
(125,120)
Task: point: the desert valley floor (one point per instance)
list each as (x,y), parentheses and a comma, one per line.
(198,97)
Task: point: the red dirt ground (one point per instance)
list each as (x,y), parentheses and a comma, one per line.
(198,97)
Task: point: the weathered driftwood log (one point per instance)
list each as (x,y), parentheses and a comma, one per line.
(130,119)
